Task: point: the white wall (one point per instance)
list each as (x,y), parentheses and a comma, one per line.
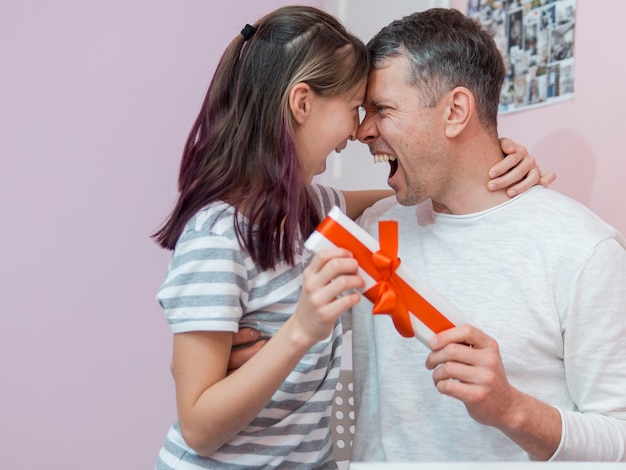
(354,168)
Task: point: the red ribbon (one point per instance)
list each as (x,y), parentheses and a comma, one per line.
(391,294)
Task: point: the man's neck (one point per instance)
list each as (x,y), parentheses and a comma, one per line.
(467,191)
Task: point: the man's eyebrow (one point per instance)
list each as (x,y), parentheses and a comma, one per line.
(375,102)
(369,101)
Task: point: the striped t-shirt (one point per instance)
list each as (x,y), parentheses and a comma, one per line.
(212,284)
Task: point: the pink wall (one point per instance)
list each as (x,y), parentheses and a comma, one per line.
(96,99)
(582,139)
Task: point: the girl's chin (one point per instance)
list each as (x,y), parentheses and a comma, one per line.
(321,169)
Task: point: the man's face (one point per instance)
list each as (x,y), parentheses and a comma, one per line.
(398,129)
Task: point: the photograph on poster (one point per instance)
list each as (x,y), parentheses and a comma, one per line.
(536,38)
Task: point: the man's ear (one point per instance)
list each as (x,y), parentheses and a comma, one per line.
(300,101)
(459,110)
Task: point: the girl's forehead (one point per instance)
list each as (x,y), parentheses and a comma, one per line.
(358,93)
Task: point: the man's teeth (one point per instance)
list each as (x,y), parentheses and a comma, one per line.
(381,158)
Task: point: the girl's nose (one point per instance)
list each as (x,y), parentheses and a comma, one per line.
(367,130)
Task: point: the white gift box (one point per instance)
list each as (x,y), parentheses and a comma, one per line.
(415,307)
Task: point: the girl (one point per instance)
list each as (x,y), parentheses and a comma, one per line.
(285,94)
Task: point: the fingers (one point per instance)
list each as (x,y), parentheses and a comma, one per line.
(520,174)
(239,357)
(458,344)
(509,146)
(462,334)
(459,361)
(467,365)
(325,295)
(245,335)
(326,298)
(514,168)
(451,373)
(501,171)
(529,180)
(331,273)
(547,178)
(513,155)
(324,256)
(518,171)
(453,361)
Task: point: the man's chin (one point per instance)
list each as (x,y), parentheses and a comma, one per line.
(403,198)
(400,195)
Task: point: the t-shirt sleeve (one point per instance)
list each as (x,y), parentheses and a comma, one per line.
(377,211)
(327,197)
(205,288)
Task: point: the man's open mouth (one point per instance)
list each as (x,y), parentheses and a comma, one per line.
(393,163)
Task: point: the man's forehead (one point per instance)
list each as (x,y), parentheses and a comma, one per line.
(385,79)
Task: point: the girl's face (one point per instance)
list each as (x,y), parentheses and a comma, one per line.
(324,124)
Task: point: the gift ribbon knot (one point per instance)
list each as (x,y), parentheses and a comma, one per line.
(387,294)
(390,294)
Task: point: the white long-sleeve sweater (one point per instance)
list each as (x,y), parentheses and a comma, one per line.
(543,276)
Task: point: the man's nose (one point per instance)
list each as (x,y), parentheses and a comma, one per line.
(367,130)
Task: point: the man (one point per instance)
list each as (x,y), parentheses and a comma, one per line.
(541,373)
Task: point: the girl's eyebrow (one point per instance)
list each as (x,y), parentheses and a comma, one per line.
(356,99)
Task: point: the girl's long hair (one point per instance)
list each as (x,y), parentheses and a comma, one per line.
(240,149)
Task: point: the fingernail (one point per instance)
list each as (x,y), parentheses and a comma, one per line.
(434,341)
(512,192)
(492,186)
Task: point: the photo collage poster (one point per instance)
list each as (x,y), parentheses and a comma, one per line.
(536,38)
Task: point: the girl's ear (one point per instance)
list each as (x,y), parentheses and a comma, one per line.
(300,101)
(459,110)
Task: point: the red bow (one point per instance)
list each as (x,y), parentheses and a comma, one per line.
(388,295)
(391,294)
